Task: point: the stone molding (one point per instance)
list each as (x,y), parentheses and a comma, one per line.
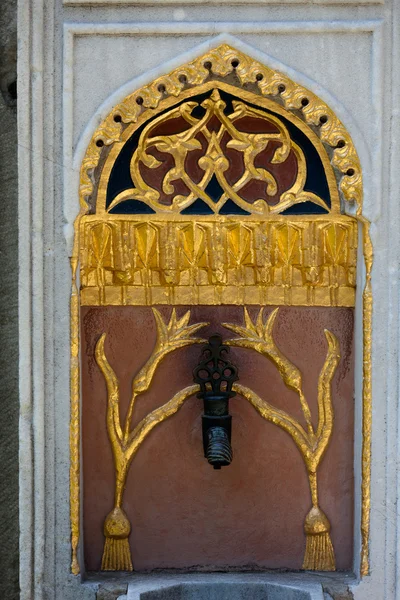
(210,2)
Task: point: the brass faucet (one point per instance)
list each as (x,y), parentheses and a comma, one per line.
(216,375)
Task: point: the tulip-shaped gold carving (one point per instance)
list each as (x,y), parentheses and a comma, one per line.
(319,554)
(126,441)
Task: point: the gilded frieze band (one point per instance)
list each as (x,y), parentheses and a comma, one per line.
(298,263)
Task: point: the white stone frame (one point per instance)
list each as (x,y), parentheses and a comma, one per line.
(208,2)
(44,278)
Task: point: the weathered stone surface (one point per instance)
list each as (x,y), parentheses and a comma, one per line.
(224,586)
(226,591)
(9,531)
(336,591)
(111,591)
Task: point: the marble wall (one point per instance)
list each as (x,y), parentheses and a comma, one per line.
(80,58)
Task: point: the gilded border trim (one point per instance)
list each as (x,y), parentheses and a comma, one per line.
(74,432)
(367,397)
(304,261)
(221,62)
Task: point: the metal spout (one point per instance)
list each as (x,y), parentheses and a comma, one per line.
(219,450)
(216,375)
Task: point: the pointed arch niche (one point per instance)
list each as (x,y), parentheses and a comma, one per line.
(223,183)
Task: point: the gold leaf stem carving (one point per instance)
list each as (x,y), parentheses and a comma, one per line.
(169,337)
(319,554)
(74,433)
(126,442)
(367,397)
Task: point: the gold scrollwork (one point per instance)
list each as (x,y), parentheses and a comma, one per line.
(145,192)
(214,160)
(220,63)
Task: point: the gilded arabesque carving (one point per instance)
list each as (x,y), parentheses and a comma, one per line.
(221,62)
(214,161)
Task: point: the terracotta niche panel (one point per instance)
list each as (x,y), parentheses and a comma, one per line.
(185,514)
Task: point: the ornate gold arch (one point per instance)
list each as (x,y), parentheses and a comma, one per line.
(97,232)
(223,63)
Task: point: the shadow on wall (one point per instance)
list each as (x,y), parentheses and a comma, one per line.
(9,549)
(8,51)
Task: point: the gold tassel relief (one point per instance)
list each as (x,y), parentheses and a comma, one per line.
(311,442)
(319,554)
(125,441)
